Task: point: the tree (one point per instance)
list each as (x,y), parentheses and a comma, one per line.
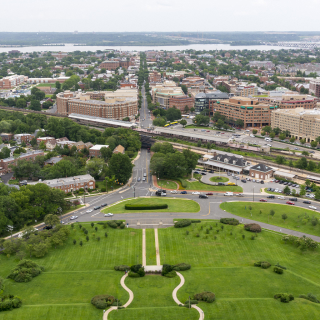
(239,123)
(159,122)
(267,129)
(51,220)
(106,153)
(183,122)
(305,153)
(314,144)
(282,136)
(308,183)
(192,110)
(173,114)
(35,105)
(184,88)
(219,124)
(284,217)
(40,250)
(302,190)
(120,165)
(272,134)
(186,109)
(21,103)
(272,212)
(95,167)
(58,85)
(280,159)
(303,141)
(254,131)
(286,190)
(292,139)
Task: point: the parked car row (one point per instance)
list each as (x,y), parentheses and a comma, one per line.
(286,183)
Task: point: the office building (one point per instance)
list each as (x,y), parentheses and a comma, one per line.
(202,100)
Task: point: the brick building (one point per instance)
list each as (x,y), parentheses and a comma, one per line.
(154,76)
(5,163)
(12,81)
(110,65)
(180,102)
(70,184)
(6,136)
(23,137)
(261,171)
(95,151)
(46,140)
(313,88)
(249,110)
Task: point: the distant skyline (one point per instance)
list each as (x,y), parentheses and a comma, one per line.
(159,15)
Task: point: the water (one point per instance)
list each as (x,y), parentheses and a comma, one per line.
(71,48)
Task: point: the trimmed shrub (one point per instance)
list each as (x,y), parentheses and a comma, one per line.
(122,226)
(310,297)
(262,264)
(192,302)
(133,274)
(278,270)
(135,268)
(206,296)
(121,268)
(181,267)
(1,285)
(103,189)
(195,221)
(102,301)
(231,221)
(166,268)
(145,206)
(9,302)
(182,223)
(253,227)
(25,271)
(183,182)
(141,272)
(170,274)
(282,267)
(284,297)
(112,224)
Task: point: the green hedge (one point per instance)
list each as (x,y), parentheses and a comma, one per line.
(9,302)
(206,296)
(231,221)
(192,302)
(183,182)
(25,271)
(182,223)
(145,206)
(181,267)
(102,301)
(121,268)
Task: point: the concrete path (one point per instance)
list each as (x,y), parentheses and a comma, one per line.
(144,255)
(177,301)
(157,246)
(131,296)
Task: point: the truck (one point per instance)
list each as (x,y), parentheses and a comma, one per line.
(228,194)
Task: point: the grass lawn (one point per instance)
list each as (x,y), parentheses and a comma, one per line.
(219,179)
(52,85)
(224,265)
(174,205)
(74,274)
(167,184)
(100,184)
(197,185)
(16,181)
(299,219)
(150,247)
(73,208)
(153,300)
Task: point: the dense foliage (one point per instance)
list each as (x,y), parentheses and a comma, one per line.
(25,271)
(9,302)
(231,221)
(182,223)
(262,264)
(253,227)
(284,297)
(136,271)
(206,296)
(102,301)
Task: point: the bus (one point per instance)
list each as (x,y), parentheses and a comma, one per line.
(167,125)
(174,123)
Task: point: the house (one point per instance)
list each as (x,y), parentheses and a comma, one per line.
(261,171)
(23,137)
(46,140)
(95,151)
(6,136)
(53,160)
(119,149)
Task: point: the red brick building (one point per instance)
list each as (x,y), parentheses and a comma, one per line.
(110,65)
(180,102)
(95,151)
(23,137)
(155,76)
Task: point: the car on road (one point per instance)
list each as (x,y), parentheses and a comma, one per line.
(237,178)
(139,179)
(183,192)
(73,217)
(281,198)
(306,202)
(174,191)
(108,214)
(228,194)
(239,195)
(196,172)
(270,197)
(203,196)
(97,207)
(195,192)
(211,171)
(209,194)
(251,135)
(144,179)
(313,207)
(293,199)
(231,184)
(89,211)
(291,203)
(104,205)
(244,180)
(203,173)
(263,200)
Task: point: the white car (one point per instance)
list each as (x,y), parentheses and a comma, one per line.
(281,198)
(74,217)
(251,135)
(89,211)
(108,214)
(195,192)
(313,207)
(174,191)
(276,190)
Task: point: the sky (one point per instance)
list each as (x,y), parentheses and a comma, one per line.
(159,15)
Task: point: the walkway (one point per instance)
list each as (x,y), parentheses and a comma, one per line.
(144,254)
(177,301)
(157,246)
(131,296)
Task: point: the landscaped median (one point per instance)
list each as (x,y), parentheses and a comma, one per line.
(281,215)
(153,204)
(219,179)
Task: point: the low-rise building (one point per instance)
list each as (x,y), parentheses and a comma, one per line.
(12,81)
(23,137)
(95,151)
(261,171)
(6,136)
(46,140)
(119,149)
(202,100)
(70,184)
(110,65)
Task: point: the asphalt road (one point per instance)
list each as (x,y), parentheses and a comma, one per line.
(145,115)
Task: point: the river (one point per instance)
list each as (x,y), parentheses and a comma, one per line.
(71,48)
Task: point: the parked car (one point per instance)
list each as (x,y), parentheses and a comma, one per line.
(183,192)
(203,173)
(253,180)
(258,181)
(263,200)
(196,172)
(203,196)
(211,171)
(97,207)
(291,203)
(195,192)
(313,207)
(248,179)
(281,182)
(73,217)
(244,180)
(139,179)
(221,184)
(272,189)
(104,205)
(209,194)
(174,191)
(281,198)
(108,214)
(262,182)
(89,211)
(231,184)
(306,202)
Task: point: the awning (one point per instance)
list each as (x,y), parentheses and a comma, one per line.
(223,166)
(284,174)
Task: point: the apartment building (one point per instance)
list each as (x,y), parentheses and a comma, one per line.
(117,104)
(302,123)
(181,102)
(246,91)
(6,136)
(290,100)
(95,151)
(193,82)
(70,184)
(202,99)
(46,80)
(163,95)
(30,156)
(249,110)
(12,81)
(262,64)
(154,76)
(314,87)
(110,65)
(23,137)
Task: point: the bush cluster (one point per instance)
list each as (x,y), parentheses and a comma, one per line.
(115,224)
(282,267)
(253,227)
(284,297)
(206,296)
(195,221)
(167,271)
(136,271)
(145,206)
(121,268)
(182,223)
(25,271)
(309,297)
(304,243)
(231,221)
(278,270)
(8,302)
(1,285)
(102,301)
(183,182)
(181,267)
(262,264)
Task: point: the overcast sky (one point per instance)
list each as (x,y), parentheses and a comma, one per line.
(159,15)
